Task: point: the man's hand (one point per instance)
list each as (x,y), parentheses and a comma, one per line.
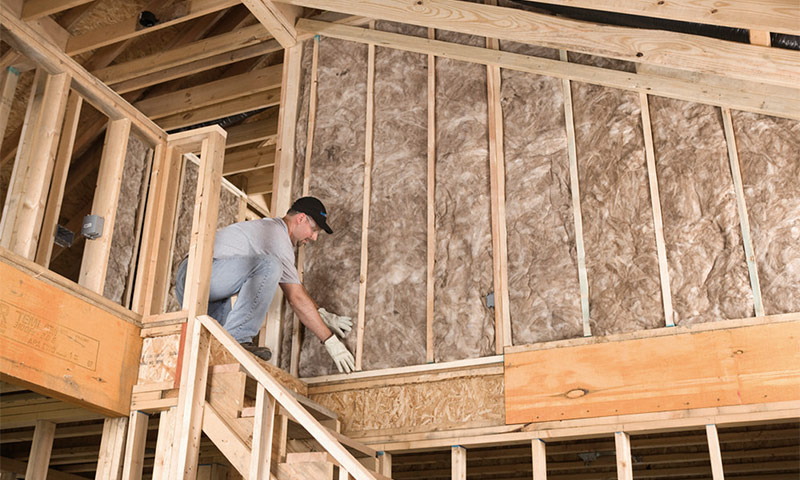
(338,324)
(341,357)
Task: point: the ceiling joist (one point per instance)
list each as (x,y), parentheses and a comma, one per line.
(278,19)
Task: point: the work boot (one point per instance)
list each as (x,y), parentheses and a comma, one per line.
(263,353)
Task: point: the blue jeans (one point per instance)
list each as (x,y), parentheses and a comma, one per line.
(254,279)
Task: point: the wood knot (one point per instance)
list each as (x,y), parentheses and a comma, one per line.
(714,10)
(738,352)
(577,393)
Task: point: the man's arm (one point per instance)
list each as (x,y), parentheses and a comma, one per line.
(306,310)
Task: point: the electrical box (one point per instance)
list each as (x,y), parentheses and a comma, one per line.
(92,226)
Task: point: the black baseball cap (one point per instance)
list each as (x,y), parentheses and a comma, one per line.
(312,207)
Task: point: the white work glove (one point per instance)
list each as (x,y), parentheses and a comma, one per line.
(338,324)
(341,357)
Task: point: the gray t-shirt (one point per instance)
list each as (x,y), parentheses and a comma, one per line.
(259,237)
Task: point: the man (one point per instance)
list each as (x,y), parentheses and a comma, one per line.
(250,260)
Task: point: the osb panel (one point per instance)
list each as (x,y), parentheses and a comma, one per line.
(159,360)
(769,156)
(621,261)
(542,267)
(395,328)
(449,404)
(332,265)
(707,270)
(463,325)
(123,242)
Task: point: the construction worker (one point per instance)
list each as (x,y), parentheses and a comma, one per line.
(251,259)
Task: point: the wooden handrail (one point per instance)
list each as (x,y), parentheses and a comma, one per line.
(287,401)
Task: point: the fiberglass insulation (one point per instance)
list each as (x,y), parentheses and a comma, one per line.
(463,326)
(769,155)
(395,327)
(542,267)
(332,265)
(619,240)
(707,270)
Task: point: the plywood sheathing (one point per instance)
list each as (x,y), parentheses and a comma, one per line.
(621,260)
(228,213)
(123,242)
(159,360)
(463,326)
(769,154)
(332,265)
(462,402)
(707,269)
(542,262)
(395,328)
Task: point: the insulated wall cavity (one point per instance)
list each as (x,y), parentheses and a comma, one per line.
(769,156)
(332,265)
(707,270)
(463,325)
(543,285)
(395,328)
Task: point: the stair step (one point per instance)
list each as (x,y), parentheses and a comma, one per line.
(355,447)
(315,409)
(318,459)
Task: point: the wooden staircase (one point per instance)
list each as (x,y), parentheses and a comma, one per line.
(297,442)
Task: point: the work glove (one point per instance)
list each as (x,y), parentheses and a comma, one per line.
(341,357)
(337,323)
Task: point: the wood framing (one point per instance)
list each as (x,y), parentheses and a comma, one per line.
(53,342)
(277,19)
(539,459)
(458,463)
(41,447)
(622,442)
(134,446)
(431,207)
(112,448)
(736,366)
(9,77)
(714,452)
(771,100)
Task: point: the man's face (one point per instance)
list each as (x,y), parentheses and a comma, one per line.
(306,230)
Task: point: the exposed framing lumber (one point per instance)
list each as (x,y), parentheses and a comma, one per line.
(769,100)
(714,452)
(744,221)
(33,167)
(163,455)
(194,371)
(33,9)
(622,442)
(264,130)
(211,93)
(278,19)
(112,448)
(229,443)
(497,187)
(41,448)
(775,16)
(247,103)
(367,198)
(261,451)
(283,175)
(109,179)
(458,463)
(29,43)
(59,179)
(689,52)
(574,183)
(249,160)
(134,446)
(8,86)
(658,224)
(191,52)
(168,15)
(431,210)
(539,459)
(761,37)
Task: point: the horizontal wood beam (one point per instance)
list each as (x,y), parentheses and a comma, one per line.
(254,182)
(278,19)
(32,45)
(249,160)
(689,52)
(191,52)
(259,131)
(168,15)
(255,101)
(766,99)
(211,93)
(771,16)
(16,466)
(33,9)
